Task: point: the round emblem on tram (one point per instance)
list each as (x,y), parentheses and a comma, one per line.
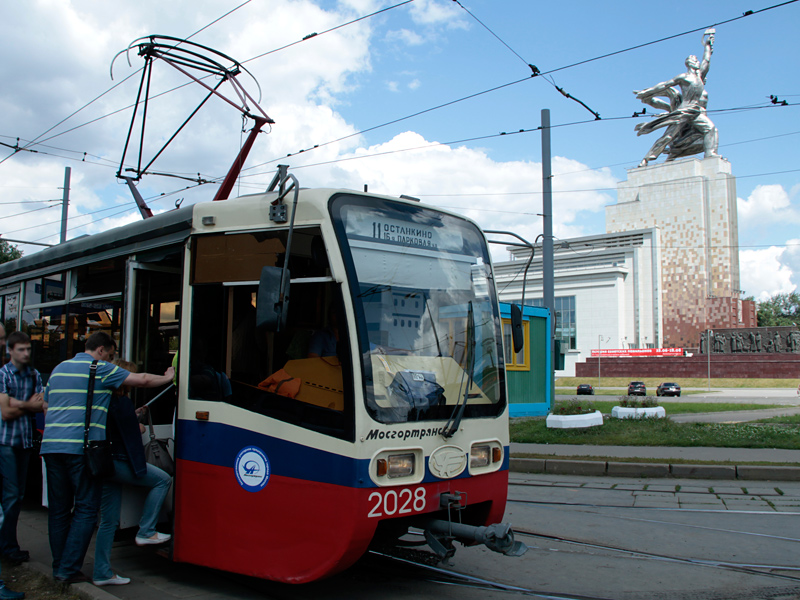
(447,462)
(252,468)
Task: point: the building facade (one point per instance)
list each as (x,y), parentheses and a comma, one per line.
(693,204)
(666,269)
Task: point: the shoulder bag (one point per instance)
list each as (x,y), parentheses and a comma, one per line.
(97,453)
(156,451)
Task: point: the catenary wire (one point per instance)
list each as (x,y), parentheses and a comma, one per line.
(543,73)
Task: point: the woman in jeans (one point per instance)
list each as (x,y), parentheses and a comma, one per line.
(125,433)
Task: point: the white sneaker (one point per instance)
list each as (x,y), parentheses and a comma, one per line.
(156,538)
(115,580)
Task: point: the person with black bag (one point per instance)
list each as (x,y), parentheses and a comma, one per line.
(73,445)
(130,468)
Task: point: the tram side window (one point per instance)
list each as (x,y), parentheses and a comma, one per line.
(10,307)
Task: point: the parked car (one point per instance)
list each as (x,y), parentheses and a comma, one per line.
(668,389)
(585,389)
(637,388)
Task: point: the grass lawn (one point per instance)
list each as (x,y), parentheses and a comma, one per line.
(662,432)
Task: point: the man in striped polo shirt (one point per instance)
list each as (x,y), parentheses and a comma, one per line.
(20,398)
(74,497)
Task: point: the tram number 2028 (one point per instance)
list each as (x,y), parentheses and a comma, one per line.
(396,502)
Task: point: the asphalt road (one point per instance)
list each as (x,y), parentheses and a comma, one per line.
(718,395)
(589,538)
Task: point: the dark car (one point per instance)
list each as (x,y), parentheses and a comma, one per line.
(585,389)
(636,388)
(668,389)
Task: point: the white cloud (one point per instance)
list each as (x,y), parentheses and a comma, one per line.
(468,181)
(414,84)
(790,259)
(436,12)
(764,273)
(405,36)
(767,204)
(392,86)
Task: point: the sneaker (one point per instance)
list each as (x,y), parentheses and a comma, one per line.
(156,538)
(114,580)
(17,556)
(7,594)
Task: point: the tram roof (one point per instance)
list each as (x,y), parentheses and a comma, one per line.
(169,228)
(160,230)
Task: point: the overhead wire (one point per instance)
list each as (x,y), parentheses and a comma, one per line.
(518,81)
(485,91)
(533,68)
(27,212)
(470,96)
(476,138)
(313,35)
(104,116)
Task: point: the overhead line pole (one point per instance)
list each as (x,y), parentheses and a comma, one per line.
(548,284)
(65,204)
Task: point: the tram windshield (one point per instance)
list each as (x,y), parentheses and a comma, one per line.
(427,319)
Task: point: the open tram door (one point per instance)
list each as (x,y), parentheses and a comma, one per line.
(152,332)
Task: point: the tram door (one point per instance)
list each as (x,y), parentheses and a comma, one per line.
(152,330)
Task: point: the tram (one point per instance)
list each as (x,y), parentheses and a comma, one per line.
(340,369)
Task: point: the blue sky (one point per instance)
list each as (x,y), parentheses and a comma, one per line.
(403,61)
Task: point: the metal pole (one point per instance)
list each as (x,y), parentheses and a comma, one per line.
(548,284)
(599,354)
(65,204)
(709,335)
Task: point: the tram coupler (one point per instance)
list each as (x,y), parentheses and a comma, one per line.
(498,537)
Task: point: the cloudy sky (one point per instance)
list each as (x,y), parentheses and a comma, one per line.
(411,99)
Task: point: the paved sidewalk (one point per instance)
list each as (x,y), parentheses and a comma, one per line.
(661,461)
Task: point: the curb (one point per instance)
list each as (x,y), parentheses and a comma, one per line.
(644,470)
(86,591)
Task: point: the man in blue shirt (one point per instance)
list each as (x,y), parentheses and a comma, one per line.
(74,497)
(20,398)
(17,381)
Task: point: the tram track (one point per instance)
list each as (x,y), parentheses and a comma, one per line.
(748,568)
(555,505)
(442,576)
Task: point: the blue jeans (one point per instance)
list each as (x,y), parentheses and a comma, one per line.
(74,499)
(155,479)
(14,469)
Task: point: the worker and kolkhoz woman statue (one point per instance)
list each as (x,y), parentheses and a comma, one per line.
(688,129)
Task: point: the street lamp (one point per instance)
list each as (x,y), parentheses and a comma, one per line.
(600,341)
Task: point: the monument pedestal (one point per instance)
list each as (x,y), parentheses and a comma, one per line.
(692,202)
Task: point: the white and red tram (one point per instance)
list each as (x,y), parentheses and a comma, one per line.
(289,465)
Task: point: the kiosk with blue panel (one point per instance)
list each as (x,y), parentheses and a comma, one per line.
(528,372)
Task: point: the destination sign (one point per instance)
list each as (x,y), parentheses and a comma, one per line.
(423,232)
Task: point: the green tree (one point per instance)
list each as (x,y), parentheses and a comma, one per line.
(781,309)
(8,252)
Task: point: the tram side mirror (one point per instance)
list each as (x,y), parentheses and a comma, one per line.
(270,311)
(516,328)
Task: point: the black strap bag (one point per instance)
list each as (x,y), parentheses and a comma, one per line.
(156,451)
(97,453)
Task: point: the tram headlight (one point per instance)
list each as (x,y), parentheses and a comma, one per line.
(400,465)
(479,456)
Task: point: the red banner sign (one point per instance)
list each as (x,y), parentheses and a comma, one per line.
(632,352)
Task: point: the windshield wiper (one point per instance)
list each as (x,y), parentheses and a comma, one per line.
(454,421)
(378,288)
